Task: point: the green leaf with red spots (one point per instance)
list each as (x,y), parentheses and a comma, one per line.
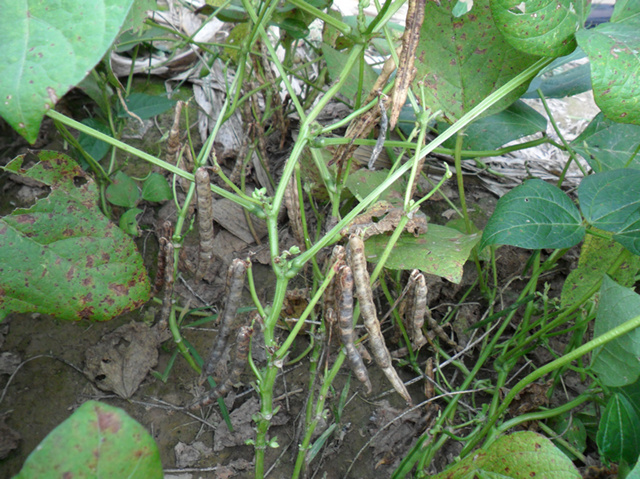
(540,27)
(441,251)
(463,60)
(518,455)
(47,49)
(62,256)
(98,440)
(612,49)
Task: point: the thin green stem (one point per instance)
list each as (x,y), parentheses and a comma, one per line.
(574,355)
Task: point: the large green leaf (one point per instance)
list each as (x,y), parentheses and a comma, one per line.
(607,145)
(493,131)
(62,256)
(463,60)
(615,68)
(441,251)
(617,363)
(618,436)
(518,455)
(610,199)
(48,48)
(611,202)
(97,441)
(540,27)
(534,215)
(335,64)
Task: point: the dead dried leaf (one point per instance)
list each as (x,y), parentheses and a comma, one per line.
(383,217)
(123,358)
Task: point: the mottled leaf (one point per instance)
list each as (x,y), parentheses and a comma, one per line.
(62,256)
(441,251)
(518,455)
(47,49)
(615,68)
(462,60)
(540,27)
(98,440)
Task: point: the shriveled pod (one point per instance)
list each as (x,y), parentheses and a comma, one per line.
(345,320)
(243,340)
(205,222)
(368,311)
(235,284)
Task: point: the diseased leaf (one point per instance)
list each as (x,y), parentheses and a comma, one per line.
(617,363)
(62,256)
(539,27)
(441,251)
(97,437)
(615,68)
(517,455)
(47,49)
(607,145)
(462,60)
(534,215)
(618,436)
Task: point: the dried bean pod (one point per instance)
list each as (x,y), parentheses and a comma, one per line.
(167,297)
(418,309)
(336,260)
(345,320)
(240,359)
(367,309)
(205,221)
(235,284)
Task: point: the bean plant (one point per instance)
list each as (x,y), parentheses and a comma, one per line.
(459,72)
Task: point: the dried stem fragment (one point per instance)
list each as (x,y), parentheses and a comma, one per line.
(345,320)
(292,203)
(205,222)
(235,284)
(367,309)
(243,340)
(173,142)
(429,389)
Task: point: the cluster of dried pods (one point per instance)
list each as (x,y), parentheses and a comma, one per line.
(235,283)
(352,270)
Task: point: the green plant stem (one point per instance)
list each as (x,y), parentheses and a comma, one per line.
(246,202)
(572,154)
(562,317)
(452,130)
(331,141)
(322,396)
(177,339)
(342,27)
(284,349)
(577,353)
(564,443)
